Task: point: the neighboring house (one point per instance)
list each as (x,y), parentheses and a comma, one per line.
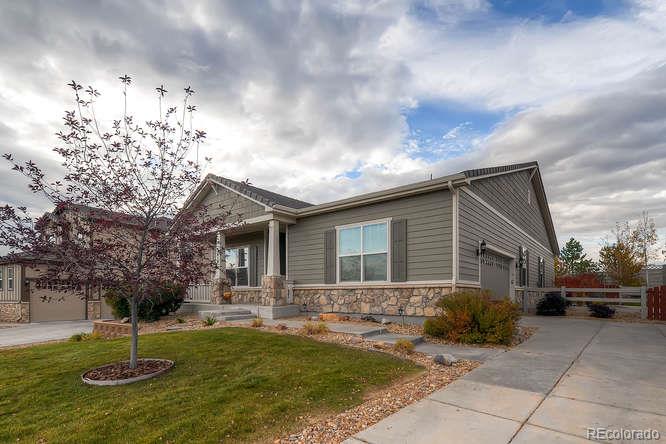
(376,253)
(24,297)
(654,275)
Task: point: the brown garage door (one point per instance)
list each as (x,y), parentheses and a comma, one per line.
(107,311)
(495,275)
(60,307)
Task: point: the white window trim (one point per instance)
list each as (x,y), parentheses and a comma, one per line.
(10,279)
(247,261)
(386,221)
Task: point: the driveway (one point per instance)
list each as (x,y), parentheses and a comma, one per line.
(42,332)
(571,375)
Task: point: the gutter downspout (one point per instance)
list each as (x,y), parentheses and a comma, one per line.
(454,234)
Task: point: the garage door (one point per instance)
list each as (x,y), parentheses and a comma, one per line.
(107,311)
(61,307)
(495,275)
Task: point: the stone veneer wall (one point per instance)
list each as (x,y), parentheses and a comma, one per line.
(246,296)
(417,301)
(14,312)
(94,309)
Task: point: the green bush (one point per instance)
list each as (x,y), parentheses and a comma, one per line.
(552,304)
(209,321)
(598,310)
(434,327)
(167,299)
(472,318)
(81,337)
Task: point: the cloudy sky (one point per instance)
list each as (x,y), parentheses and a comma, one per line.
(322,100)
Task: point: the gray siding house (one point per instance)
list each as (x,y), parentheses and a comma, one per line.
(377,253)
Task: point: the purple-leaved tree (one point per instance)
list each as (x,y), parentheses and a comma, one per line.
(119,221)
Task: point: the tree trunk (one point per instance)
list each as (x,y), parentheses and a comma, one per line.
(134,344)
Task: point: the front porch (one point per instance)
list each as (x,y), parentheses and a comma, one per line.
(251,272)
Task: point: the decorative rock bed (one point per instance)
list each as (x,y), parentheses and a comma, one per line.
(120,373)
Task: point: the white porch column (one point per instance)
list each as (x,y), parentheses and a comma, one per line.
(273,268)
(219,255)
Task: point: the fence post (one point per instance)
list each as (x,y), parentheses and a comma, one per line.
(563,292)
(644,310)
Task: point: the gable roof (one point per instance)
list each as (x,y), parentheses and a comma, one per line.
(300,208)
(266,197)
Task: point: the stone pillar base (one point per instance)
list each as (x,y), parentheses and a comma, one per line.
(220,287)
(273,290)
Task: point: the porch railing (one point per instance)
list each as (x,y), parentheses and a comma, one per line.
(9,296)
(199,293)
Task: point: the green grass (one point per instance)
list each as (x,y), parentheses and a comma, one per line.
(228,384)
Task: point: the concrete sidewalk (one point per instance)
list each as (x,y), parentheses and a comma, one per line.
(42,332)
(570,376)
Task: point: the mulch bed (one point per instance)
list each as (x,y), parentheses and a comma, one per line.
(121,370)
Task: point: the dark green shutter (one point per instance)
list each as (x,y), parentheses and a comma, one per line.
(399,251)
(253,269)
(329,257)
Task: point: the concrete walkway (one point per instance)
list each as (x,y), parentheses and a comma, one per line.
(42,332)
(571,375)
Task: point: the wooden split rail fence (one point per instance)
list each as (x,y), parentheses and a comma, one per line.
(637,296)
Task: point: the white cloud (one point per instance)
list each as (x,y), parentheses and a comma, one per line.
(293,95)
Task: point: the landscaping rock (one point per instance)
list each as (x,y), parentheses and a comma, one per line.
(124,320)
(281,327)
(445,359)
(385,321)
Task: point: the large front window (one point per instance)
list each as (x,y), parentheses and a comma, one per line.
(237,266)
(363,253)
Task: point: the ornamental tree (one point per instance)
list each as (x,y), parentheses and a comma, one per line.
(118,220)
(573,259)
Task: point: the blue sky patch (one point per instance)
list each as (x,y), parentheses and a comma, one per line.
(558,10)
(442,130)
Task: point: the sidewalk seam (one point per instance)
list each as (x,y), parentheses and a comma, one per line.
(587,344)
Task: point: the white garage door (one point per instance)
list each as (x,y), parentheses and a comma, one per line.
(495,275)
(60,307)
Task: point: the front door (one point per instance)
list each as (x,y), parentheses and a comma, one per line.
(495,273)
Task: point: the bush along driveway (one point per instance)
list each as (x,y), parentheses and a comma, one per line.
(572,380)
(228,384)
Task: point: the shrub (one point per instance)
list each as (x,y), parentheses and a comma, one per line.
(471,317)
(180,320)
(403,346)
(209,321)
(257,322)
(552,304)
(601,310)
(80,337)
(434,327)
(314,328)
(167,299)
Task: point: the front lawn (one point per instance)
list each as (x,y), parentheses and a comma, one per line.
(229,384)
